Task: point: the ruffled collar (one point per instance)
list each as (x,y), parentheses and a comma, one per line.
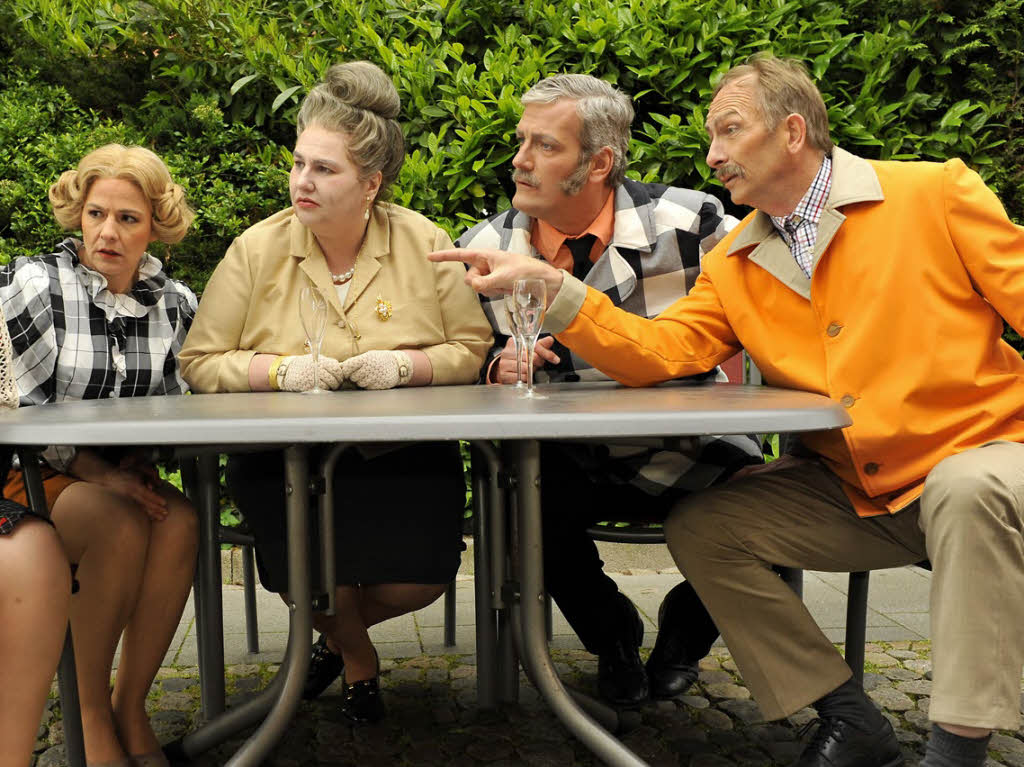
(144,295)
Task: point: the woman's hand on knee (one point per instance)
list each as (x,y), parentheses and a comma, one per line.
(140,487)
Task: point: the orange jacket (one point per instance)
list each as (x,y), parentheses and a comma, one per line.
(915,267)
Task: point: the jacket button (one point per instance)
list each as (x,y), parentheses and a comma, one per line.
(341,323)
(871,468)
(847,400)
(834,329)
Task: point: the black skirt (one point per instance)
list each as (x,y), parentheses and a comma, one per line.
(398,516)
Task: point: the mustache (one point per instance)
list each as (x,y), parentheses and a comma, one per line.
(730,169)
(525,177)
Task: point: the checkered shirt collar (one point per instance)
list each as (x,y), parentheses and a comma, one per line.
(800,228)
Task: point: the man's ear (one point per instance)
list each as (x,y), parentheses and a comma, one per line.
(601,164)
(796,133)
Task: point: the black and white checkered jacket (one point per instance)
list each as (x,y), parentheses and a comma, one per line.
(660,235)
(74,339)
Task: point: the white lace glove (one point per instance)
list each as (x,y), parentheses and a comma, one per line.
(296,373)
(378,369)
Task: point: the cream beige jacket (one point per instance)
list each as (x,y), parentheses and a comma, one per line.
(251,304)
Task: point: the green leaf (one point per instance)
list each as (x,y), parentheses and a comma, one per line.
(283,96)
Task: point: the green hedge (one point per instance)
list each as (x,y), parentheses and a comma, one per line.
(213,85)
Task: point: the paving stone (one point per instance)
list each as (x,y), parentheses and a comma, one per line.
(715,719)
(545,754)
(694,701)
(710,760)
(490,750)
(744,710)
(177,683)
(716,676)
(898,674)
(176,701)
(891,698)
(918,720)
(880,659)
(901,652)
(726,691)
(434,719)
(916,687)
(872,680)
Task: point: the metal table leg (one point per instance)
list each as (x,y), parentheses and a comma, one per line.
(279,701)
(488,520)
(300,626)
(535,655)
(208,597)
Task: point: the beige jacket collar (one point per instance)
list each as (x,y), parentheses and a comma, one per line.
(853,180)
(376,244)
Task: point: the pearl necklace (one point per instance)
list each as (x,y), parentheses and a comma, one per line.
(341,279)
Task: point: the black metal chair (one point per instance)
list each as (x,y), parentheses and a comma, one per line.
(856,619)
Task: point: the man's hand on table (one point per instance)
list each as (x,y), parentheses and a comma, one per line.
(494,272)
(504,370)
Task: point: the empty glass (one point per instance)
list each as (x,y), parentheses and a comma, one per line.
(529,302)
(517,338)
(313,313)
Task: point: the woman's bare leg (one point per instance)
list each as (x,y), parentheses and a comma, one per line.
(107,535)
(166,581)
(35,594)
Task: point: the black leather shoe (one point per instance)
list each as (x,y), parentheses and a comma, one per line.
(669,671)
(621,677)
(324,668)
(361,702)
(837,743)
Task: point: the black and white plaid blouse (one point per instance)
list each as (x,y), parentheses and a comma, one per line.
(74,339)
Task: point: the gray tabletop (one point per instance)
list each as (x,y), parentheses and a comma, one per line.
(429,413)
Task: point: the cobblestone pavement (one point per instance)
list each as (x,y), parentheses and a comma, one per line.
(433,718)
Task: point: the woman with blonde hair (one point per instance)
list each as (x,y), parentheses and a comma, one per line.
(394,319)
(98,318)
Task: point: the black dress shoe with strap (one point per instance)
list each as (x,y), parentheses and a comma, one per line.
(324,667)
(621,676)
(361,702)
(837,743)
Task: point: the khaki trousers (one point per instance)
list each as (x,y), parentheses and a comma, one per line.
(968,522)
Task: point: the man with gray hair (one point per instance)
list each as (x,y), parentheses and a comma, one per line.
(641,245)
(846,271)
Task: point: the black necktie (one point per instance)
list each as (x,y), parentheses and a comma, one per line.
(580,249)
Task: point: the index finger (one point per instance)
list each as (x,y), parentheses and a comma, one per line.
(471,257)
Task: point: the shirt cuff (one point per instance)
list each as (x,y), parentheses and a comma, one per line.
(567,304)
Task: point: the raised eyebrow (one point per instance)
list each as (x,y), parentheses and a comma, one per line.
(713,121)
(547,138)
(314,160)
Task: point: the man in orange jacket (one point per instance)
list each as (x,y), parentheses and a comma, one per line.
(883,285)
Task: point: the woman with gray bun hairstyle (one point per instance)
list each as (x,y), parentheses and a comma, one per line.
(94,319)
(394,319)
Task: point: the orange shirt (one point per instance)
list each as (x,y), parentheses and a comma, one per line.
(550,242)
(915,267)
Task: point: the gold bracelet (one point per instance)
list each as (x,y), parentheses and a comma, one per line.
(272,373)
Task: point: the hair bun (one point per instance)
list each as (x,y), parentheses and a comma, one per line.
(363,85)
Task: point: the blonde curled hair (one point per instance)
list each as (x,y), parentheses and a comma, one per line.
(359,100)
(171,214)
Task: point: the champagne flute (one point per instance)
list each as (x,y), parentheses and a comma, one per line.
(530,302)
(517,338)
(313,313)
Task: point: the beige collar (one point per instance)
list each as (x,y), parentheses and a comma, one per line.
(853,180)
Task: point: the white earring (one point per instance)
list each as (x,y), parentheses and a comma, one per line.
(369,204)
